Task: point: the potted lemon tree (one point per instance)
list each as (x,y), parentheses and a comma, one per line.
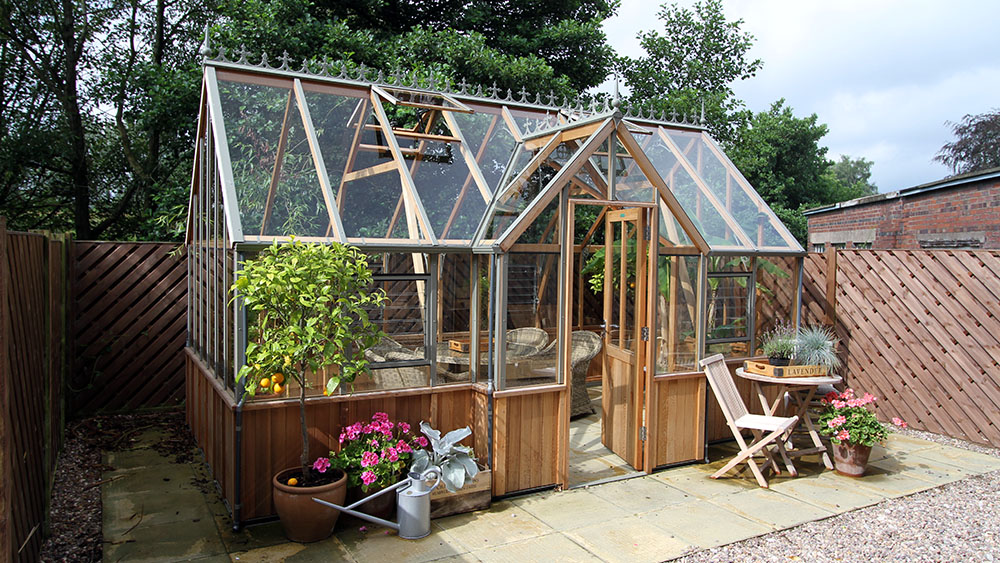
(307,307)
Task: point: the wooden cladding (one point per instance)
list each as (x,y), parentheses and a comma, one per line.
(130,305)
(526,440)
(678,418)
(919,329)
(32,367)
(271,438)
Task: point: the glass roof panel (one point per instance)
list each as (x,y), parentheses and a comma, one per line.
(530,121)
(371,204)
(631,184)
(489,140)
(453,201)
(545,227)
(336,120)
(297,206)
(516,196)
(709,220)
(253,115)
(415,98)
(741,202)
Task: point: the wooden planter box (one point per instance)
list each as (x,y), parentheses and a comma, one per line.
(475,495)
(764,368)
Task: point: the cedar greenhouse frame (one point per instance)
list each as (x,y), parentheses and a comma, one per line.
(462,200)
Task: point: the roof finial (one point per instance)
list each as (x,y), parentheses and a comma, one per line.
(703,111)
(206,49)
(616,101)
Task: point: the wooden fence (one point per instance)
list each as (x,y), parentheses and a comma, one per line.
(33,329)
(920,329)
(130,310)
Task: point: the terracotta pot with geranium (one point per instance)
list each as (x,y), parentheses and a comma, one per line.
(375,455)
(853,430)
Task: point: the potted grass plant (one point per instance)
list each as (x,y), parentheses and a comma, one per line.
(307,307)
(817,346)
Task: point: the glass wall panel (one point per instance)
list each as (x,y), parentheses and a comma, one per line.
(531,319)
(516,197)
(454,343)
(728,306)
(676,313)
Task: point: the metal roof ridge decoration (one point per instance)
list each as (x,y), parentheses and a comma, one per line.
(364,75)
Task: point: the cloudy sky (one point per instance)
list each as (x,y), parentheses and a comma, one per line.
(884,75)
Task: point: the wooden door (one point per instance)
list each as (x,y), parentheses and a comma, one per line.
(626,331)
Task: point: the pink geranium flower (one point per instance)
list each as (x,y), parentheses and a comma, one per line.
(843,435)
(391,454)
(899,422)
(403,447)
(849,394)
(838,421)
(321,464)
(837,403)
(380,417)
(421,441)
(369,459)
(368,477)
(830,396)
(404,427)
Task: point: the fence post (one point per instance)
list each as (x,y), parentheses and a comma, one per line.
(6,468)
(831,287)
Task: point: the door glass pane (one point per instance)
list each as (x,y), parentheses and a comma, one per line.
(676,313)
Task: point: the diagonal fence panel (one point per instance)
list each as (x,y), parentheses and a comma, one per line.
(921,330)
(130,323)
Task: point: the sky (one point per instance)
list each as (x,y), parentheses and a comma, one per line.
(884,75)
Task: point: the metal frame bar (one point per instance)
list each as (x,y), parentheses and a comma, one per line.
(459,106)
(500,347)
(225,163)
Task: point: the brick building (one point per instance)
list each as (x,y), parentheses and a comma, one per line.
(957,212)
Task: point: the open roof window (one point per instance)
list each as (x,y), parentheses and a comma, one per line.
(418,99)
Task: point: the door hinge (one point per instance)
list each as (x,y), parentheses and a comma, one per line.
(642,433)
(644,334)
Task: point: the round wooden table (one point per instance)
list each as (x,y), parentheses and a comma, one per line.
(801,390)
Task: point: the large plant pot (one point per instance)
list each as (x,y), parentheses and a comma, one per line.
(851,459)
(303,519)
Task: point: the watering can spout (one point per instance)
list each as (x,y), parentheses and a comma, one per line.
(413,504)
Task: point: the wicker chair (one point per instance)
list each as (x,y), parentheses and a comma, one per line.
(526,341)
(585,345)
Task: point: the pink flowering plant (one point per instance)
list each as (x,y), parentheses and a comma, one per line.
(374,454)
(847,420)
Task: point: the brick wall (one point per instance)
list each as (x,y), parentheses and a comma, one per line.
(937,219)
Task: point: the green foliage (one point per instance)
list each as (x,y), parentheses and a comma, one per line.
(696,60)
(782,157)
(816,346)
(310,306)
(373,454)
(455,461)
(854,175)
(977,146)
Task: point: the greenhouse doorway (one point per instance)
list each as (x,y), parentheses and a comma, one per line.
(610,443)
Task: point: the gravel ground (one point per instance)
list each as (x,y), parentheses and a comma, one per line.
(957,522)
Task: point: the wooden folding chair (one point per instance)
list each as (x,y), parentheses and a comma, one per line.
(739,419)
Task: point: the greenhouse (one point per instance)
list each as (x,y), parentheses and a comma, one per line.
(548,264)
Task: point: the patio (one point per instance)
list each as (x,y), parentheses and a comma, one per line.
(155,509)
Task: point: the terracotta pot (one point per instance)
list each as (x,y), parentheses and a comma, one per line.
(851,459)
(303,519)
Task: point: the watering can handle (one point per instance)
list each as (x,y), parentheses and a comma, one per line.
(437,477)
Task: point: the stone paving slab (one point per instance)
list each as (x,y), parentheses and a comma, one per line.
(550,547)
(705,524)
(630,539)
(695,480)
(772,508)
(640,495)
(502,523)
(828,491)
(568,510)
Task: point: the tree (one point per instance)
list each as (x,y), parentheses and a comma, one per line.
(696,60)
(781,156)
(977,146)
(855,175)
